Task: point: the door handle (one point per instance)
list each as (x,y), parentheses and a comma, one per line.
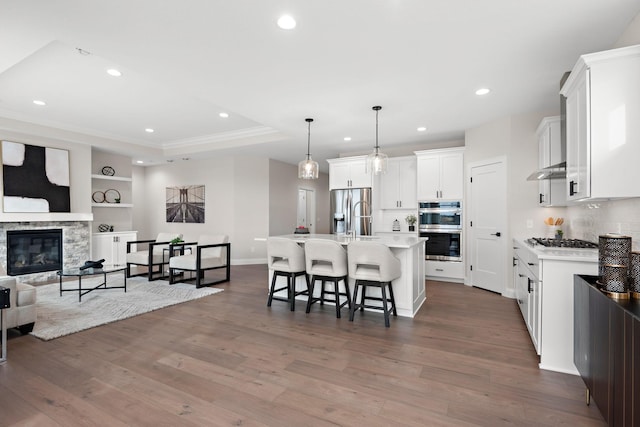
(529,285)
(498,234)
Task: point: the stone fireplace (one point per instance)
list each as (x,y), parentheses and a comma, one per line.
(75,247)
(33,251)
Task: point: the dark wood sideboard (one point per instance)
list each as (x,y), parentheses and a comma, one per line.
(607,351)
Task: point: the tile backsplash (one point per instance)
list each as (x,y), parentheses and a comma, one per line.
(589,220)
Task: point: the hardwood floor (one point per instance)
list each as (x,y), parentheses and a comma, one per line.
(465,360)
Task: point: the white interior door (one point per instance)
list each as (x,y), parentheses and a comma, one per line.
(307,209)
(488,225)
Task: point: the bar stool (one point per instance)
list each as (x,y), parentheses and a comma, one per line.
(286,258)
(373,264)
(326,260)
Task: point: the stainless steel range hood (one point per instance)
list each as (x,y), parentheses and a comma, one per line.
(558,171)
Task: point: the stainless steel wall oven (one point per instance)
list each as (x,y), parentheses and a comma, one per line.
(440,215)
(441,222)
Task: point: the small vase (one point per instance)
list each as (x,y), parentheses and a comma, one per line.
(412,228)
(552,231)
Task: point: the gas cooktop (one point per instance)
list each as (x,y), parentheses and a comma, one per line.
(562,243)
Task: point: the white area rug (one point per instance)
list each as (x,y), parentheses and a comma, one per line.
(64,315)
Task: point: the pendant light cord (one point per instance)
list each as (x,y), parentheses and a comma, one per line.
(377,109)
(309,139)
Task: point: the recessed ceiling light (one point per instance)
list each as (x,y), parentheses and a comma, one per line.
(483,91)
(139,161)
(149,130)
(286,22)
(224,115)
(113,72)
(347,138)
(38,102)
(422,129)
(186,158)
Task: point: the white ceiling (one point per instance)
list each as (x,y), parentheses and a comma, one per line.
(184,62)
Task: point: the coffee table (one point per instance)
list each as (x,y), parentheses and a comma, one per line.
(77,272)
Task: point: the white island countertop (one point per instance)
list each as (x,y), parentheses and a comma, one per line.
(399,241)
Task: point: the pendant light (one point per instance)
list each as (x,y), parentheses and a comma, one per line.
(307,168)
(377,161)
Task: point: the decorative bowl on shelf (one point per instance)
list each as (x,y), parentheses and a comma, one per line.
(112,196)
(98,196)
(108,171)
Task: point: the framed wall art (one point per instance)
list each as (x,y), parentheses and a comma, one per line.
(185,204)
(35,179)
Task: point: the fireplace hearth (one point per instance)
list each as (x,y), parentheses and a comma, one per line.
(33,251)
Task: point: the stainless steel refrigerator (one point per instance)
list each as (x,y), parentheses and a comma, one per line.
(351,211)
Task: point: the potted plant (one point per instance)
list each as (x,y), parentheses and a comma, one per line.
(411,220)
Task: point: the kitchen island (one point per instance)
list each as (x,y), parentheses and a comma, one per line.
(408,289)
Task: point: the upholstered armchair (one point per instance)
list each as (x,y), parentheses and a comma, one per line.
(153,254)
(209,253)
(22,299)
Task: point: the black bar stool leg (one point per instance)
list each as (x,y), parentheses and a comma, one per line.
(310,299)
(347,291)
(384,305)
(291,290)
(273,286)
(336,288)
(364,291)
(354,304)
(393,299)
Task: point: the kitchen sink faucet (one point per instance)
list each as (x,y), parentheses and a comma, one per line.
(352,232)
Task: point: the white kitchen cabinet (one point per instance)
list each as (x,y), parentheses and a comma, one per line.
(398,185)
(544,291)
(551,191)
(447,271)
(528,288)
(112,246)
(348,172)
(603,104)
(440,174)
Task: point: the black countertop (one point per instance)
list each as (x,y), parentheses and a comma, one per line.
(631,305)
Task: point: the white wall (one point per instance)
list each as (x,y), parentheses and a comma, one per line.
(515,138)
(407,150)
(251,192)
(138,191)
(283,198)
(246,198)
